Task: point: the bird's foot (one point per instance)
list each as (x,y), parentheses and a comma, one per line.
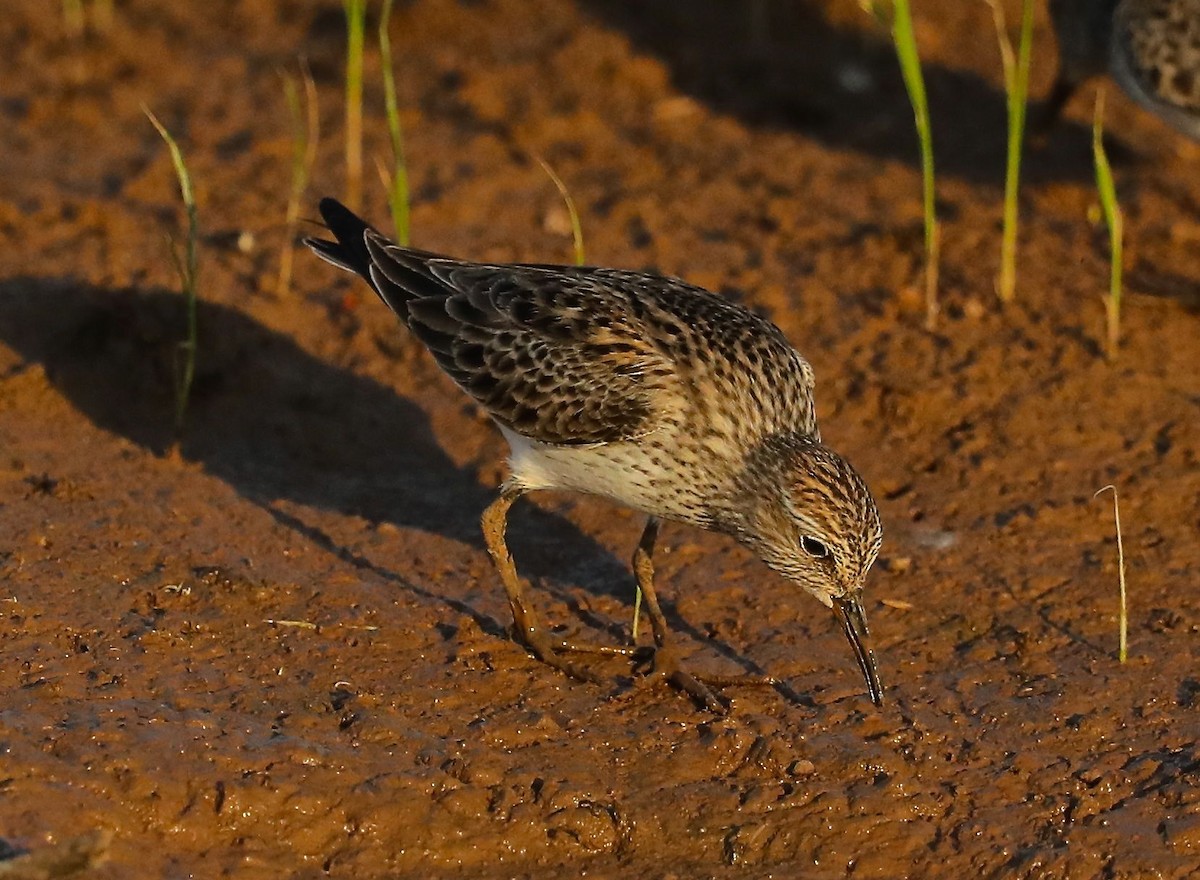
(552,651)
(662,664)
(665,666)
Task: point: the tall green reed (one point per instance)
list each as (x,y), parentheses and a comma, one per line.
(1016,84)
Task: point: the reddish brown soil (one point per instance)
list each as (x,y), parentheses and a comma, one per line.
(330,479)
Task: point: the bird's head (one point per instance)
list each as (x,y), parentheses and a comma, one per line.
(814,521)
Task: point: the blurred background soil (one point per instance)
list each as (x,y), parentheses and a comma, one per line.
(282,652)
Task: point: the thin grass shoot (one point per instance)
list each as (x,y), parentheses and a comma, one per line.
(1123,617)
(572,212)
(306,134)
(396,182)
(1016,86)
(356,14)
(73,18)
(1114,220)
(905,41)
(187,267)
(103,15)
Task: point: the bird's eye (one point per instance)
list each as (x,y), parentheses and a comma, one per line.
(814,548)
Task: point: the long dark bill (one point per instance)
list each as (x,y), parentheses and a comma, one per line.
(854,623)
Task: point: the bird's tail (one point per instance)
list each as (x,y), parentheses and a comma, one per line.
(397,274)
(349,252)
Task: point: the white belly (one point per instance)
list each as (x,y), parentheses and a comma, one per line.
(637,474)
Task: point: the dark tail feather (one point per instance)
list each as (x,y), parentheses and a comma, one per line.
(397,274)
(350,250)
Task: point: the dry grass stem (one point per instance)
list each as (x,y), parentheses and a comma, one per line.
(306,133)
(356,13)
(1123,623)
(576,228)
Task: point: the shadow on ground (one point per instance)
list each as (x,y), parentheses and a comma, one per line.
(271,420)
(791,69)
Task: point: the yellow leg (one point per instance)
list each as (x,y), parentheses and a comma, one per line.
(666,662)
(529,630)
(495,526)
(550,649)
(666,659)
(643,570)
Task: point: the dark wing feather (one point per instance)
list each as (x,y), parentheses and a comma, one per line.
(534,346)
(576,355)
(509,336)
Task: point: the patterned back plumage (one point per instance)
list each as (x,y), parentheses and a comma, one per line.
(1151,48)
(1156,51)
(574,356)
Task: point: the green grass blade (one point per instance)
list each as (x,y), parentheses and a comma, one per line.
(914,82)
(1016,81)
(1115,221)
(187,269)
(356,13)
(398,198)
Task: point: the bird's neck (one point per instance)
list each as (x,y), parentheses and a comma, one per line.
(758,487)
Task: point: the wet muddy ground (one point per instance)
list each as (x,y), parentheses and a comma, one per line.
(281,651)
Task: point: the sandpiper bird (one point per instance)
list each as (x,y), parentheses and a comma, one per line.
(1150,47)
(647,391)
